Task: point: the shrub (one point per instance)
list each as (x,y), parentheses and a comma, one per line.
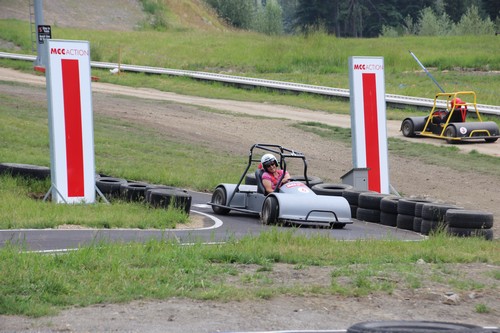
(471,23)
(430,24)
(269,19)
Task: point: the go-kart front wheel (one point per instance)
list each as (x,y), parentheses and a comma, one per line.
(450,132)
(408,128)
(270,210)
(219,197)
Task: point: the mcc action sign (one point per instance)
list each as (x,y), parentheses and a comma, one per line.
(70,121)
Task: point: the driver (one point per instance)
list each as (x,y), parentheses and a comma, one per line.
(272,174)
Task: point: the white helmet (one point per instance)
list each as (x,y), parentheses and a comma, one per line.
(268,159)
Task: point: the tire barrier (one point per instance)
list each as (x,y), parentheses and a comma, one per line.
(368,215)
(420,215)
(369,206)
(405,222)
(474,219)
(469,223)
(389,210)
(147,192)
(352,197)
(434,217)
(166,198)
(115,188)
(417,220)
(25,170)
(110,186)
(330,189)
(402,326)
(407,213)
(423,216)
(133,191)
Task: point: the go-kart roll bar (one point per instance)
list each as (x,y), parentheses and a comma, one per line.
(283,153)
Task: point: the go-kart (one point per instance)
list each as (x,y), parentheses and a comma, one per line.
(448,120)
(291,203)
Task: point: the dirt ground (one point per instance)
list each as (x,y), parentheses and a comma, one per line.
(184,118)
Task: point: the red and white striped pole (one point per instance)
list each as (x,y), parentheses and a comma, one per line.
(368,120)
(71,131)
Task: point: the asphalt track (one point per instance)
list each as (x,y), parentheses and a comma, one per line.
(215,229)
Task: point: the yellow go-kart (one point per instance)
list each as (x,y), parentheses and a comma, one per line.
(450,119)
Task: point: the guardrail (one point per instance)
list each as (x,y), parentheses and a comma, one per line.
(280,85)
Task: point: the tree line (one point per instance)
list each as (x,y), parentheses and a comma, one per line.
(362,18)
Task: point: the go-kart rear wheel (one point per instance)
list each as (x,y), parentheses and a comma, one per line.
(490,140)
(408,128)
(219,197)
(270,210)
(450,132)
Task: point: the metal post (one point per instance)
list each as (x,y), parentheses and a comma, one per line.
(426,71)
(41,56)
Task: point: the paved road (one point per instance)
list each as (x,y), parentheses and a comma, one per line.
(216,229)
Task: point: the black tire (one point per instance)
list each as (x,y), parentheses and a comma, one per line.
(133,191)
(389,219)
(338,225)
(368,215)
(407,206)
(352,196)
(491,140)
(450,132)
(389,204)
(147,190)
(270,210)
(183,200)
(165,198)
(418,207)
(220,197)
(470,232)
(250,179)
(312,180)
(398,326)
(405,222)
(428,226)
(354,210)
(110,186)
(408,128)
(474,219)
(25,170)
(330,189)
(436,211)
(371,200)
(417,224)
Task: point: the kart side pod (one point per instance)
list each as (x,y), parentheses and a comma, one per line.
(313,208)
(472,129)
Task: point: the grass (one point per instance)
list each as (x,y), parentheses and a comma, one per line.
(39,285)
(23,209)
(317,59)
(482,308)
(121,148)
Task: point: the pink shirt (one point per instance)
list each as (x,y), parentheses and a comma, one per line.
(271,178)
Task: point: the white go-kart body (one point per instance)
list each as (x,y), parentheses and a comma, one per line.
(292,203)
